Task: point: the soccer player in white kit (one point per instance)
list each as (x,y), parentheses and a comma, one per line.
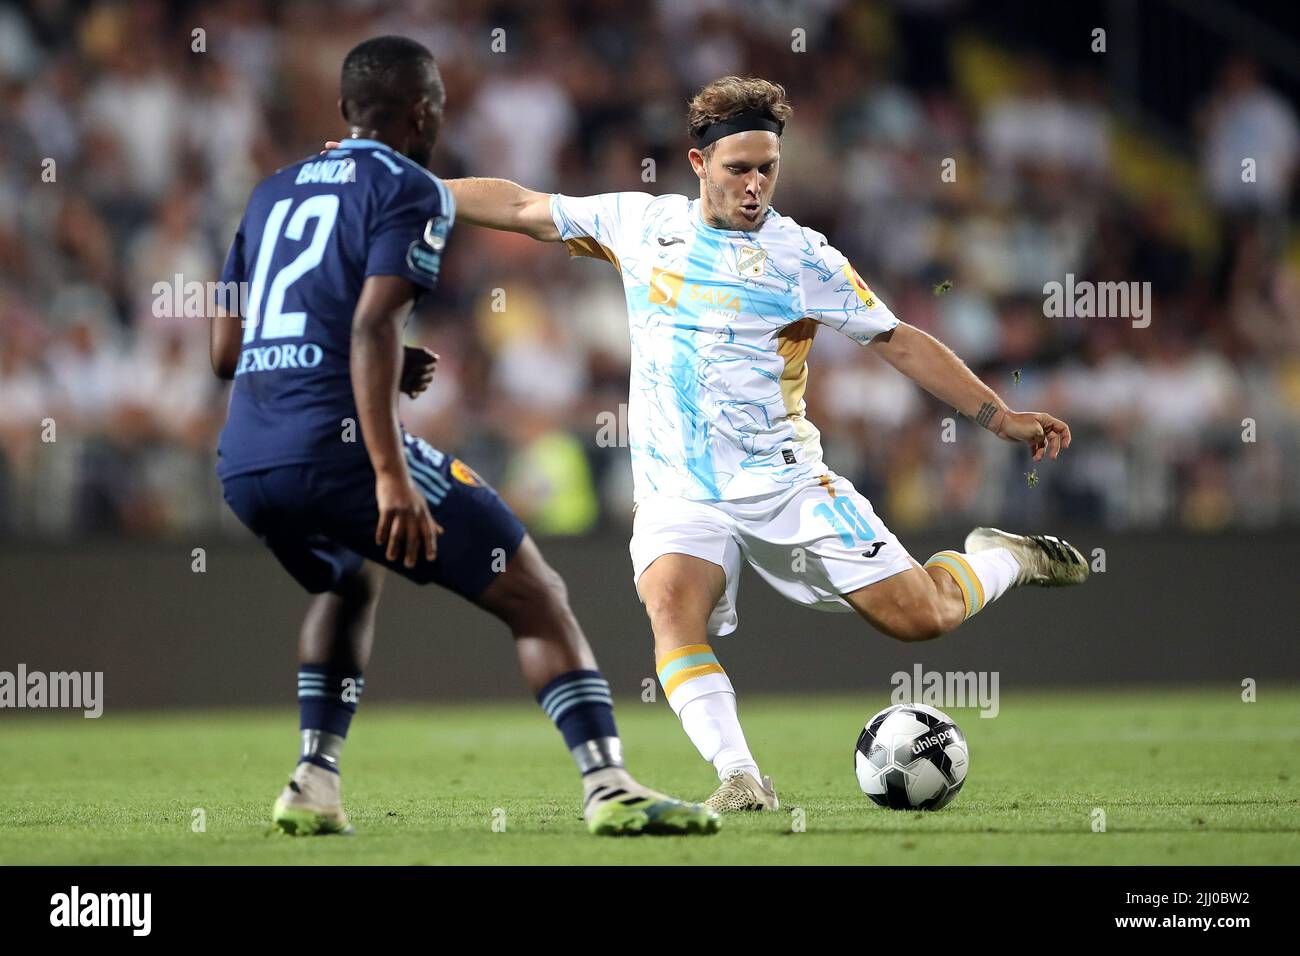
(724,296)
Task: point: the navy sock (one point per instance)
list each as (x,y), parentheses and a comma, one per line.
(327,699)
(581,707)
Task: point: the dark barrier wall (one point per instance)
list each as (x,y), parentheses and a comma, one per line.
(1167,609)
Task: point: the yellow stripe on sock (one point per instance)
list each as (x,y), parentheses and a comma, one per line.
(975,578)
(684,651)
(953,572)
(968,581)
(690,673)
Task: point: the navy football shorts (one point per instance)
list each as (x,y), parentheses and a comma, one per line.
(319,520)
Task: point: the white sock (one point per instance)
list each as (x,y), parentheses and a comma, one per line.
(713,725)
(982,576)
(701,695)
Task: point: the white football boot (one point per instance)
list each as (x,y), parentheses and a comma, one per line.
(1045,560)
(740,791)
(311,804)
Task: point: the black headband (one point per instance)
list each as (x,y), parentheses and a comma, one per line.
(740,123)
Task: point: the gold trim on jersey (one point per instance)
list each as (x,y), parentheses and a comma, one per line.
(793,344)
(586,246)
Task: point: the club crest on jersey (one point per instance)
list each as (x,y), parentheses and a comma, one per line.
(464,473)
(751,262)
(861,288)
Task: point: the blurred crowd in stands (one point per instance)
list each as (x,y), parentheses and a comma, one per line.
(132,133)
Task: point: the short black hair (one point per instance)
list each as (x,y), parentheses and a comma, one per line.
(387,73)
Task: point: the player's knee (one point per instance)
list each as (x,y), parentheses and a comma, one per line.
(540,600)
(361,589)
(673,605)
(550,590)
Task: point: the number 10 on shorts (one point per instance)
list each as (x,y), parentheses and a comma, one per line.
(846,521)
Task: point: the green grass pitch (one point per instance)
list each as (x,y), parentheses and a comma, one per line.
(1183,777)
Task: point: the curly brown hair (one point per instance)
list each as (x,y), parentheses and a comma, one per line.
(730,95)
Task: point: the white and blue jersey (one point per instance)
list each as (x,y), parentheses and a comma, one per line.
(721,324)
(311,235)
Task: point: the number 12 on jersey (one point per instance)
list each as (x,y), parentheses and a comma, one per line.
(273,321)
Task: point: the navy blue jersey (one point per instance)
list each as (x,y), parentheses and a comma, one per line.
(313,232)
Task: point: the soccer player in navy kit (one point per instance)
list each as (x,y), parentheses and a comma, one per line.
(335,250)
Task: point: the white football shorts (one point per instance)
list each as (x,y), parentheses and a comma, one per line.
(812,543)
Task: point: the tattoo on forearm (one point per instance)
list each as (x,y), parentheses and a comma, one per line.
(985,414)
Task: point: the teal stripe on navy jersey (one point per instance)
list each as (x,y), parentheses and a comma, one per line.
(448,201)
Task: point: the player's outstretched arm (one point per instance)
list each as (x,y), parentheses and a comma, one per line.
(937,369)
(405,528)
(501,204)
